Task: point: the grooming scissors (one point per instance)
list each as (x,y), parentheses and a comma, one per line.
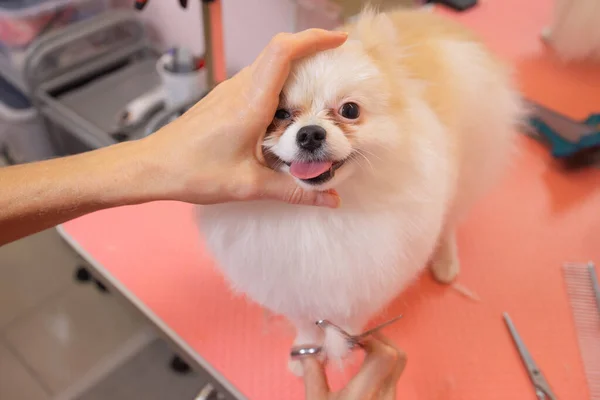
(542,388)
(352,340)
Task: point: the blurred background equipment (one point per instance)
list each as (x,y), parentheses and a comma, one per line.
(573,31)
(574,143)
(84,75)
(24,136)
(458,5)
(183,77)
(22,21)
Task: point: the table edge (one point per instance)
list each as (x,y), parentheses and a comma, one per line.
(183,348)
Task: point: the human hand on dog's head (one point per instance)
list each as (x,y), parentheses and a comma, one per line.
(376,380)
(213,153)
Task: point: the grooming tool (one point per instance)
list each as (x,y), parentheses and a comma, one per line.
(458,5)
(566,137)
(208,392)
(140,4)
(353,340)
(138,109)
(584,296)
(595,284)
(542,388)
(183,77)
(180,60)
(306,351)
(213,39)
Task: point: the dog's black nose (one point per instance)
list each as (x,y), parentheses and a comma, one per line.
(310,137)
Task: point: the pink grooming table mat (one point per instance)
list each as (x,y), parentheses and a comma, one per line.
(511,249)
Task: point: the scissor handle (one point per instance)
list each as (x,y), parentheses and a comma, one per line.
(303,351)
(140,4)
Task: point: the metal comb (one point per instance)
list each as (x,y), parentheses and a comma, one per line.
(584,295)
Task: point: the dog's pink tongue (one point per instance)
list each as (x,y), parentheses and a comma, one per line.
(309,170)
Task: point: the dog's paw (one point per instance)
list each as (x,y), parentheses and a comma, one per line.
(295,367)
(546,34)
(445,270)
(445,265)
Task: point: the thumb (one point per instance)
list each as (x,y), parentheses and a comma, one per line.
(282,187)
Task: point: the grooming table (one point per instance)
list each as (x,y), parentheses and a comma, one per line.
(511,248)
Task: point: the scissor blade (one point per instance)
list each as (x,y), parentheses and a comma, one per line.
(523,352)
(323,323)
(542,389)
(379,327)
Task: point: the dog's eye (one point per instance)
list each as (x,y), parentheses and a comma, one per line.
(282,114)
(349,110)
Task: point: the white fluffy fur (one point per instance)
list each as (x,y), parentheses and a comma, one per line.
(575,29)
(419,158)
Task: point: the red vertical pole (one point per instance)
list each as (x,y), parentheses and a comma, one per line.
(213,32)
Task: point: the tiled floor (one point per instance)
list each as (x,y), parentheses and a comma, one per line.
(16,381)
(53,331)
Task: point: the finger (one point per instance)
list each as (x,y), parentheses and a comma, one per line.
(376,369)
(311,41)
(287,47)
(388,391)
(402,358)
(282,187)
(315,379)
(273,65)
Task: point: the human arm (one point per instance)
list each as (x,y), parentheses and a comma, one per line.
(211,154)
(40,195)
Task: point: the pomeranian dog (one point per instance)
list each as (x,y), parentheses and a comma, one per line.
(410,121)
(575,32)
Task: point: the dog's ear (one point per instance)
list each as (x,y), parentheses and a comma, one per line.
(375,30)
